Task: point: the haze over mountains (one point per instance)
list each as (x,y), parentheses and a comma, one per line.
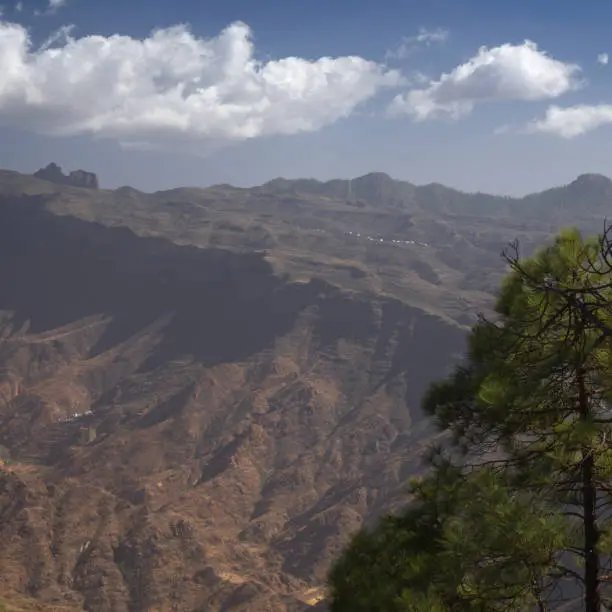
(204,392)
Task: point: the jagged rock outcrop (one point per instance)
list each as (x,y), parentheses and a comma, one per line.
(82,178)
(76,178)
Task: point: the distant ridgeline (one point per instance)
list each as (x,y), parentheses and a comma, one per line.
(77,178)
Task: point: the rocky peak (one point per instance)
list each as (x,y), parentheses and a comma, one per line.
(77,178)
(374,178)
(592,177)
(82,178)
(593,181)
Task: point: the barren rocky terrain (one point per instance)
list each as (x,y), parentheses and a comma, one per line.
(203,393)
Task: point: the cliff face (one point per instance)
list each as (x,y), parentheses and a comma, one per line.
(188,429)
(77,178)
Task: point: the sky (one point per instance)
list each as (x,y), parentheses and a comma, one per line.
(502,97)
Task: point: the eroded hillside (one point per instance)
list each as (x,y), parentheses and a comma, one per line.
(203,393)
(203,433)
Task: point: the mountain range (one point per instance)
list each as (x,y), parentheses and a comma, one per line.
(205,392)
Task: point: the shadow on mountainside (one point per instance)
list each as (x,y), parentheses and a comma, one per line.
(223,306)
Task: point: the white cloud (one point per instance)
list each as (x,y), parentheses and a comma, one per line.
(507,72)
(61,36)
(603,59)
(19,7)
(55,5)
(573,121)
(431,36)
(410,44)
(52,7)
(173,87)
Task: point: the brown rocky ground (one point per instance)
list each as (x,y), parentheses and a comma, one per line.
(203,393)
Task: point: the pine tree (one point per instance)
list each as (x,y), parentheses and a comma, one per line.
(519,518)
(466,543)
(536,389)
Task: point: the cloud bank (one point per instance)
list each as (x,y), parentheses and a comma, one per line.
(174,87)
(507,72)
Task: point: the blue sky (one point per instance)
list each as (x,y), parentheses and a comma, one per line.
(242,92)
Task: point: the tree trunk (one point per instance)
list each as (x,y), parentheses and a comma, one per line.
(592,596)
(591,536)
(537,590)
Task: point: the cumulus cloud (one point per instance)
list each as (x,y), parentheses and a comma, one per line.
(507,72)
(603,59)
(573,121)
(173,87)
(410,44)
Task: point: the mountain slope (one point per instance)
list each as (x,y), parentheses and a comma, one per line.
(204,434)
(204,392)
